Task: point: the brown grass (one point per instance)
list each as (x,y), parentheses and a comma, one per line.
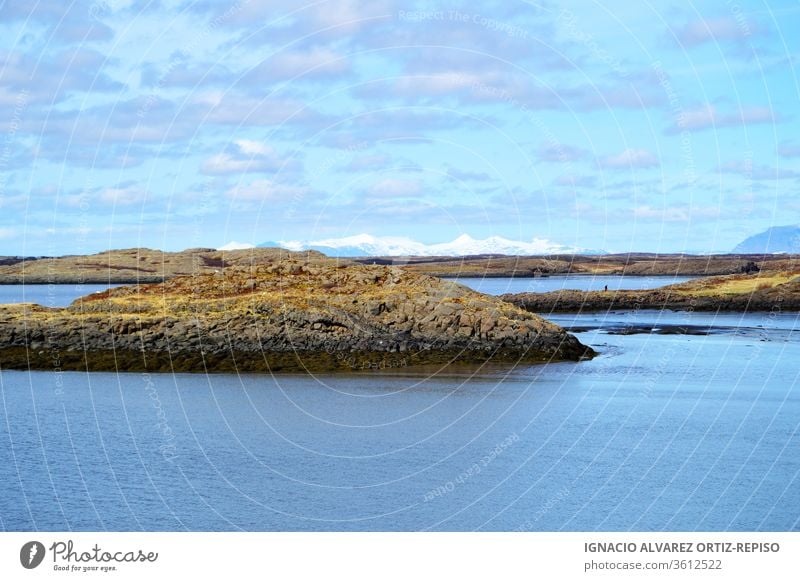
(738,284)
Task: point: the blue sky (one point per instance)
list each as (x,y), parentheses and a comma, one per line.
(652,126)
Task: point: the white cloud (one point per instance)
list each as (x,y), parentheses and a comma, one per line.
(311,63)
(749,170)
(707,117)
(250,147)
(463,175)
(231,108)
(787,149)
(348,16)
(572,181)
(700,118)
(262,190)
(630,158)
(368,162)
(437,83)
(250,156)
(560,152)
(726,28)
(122,196)
(223,163)
(396,188)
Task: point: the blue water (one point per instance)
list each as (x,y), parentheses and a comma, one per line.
(660,432)
(54,295)
(63,295)
(498,286)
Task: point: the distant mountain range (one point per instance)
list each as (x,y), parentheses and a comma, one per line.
(776,240)
(464,245)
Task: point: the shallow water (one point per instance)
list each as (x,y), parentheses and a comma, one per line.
(62,295)
(53,295)
(660,432)
(583,282)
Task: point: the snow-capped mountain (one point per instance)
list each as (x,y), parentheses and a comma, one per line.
(464,245)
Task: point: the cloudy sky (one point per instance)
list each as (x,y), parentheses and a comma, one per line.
(658,126)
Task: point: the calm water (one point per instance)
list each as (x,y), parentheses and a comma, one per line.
(54,295)
(498,286)
(63,295)
(661,432)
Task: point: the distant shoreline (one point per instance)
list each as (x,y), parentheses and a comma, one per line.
(147,266)
(94,281)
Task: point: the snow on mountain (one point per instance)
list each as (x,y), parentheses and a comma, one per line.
(359,245)
(233,245)
(464,245)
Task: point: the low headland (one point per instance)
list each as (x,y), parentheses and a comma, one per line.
(628,264)
(759,291)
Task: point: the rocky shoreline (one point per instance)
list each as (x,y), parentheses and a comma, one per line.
(713,294)
(290,315)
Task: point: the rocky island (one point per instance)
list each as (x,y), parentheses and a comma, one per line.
(285,314)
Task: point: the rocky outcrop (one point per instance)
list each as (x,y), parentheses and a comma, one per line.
(289,315)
